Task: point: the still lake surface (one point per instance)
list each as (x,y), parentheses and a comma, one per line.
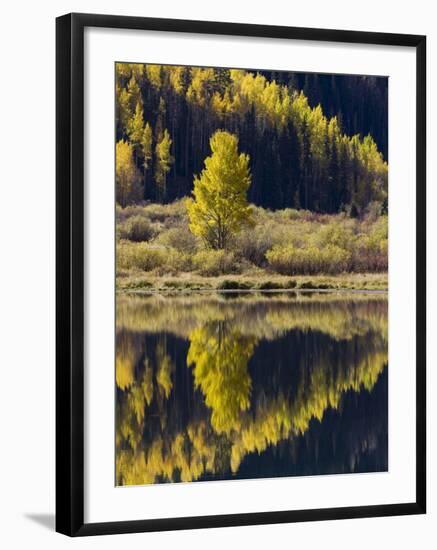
(250,385)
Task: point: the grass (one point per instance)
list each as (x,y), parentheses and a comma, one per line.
(185,282)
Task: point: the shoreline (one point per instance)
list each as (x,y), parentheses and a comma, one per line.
(140,282)
(253,291)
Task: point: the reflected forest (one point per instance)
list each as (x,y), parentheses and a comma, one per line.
(251,274)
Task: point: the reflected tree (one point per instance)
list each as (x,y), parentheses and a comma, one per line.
(220,357)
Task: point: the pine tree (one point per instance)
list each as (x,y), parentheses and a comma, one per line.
(220,207)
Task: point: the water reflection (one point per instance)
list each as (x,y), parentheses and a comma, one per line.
(247,386)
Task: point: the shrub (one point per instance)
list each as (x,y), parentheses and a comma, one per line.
(176,261)
(214,262)
(139,256)
(252,244)
(136,228)
(122,214)
(334,259)
(340,234)
(166,213)
(179,238)
(230,284)
(270,285)
(290,260)
(306,285)
(292,214)
(370,254)
(146,257)
(379,230)
(373,210)
(288,241)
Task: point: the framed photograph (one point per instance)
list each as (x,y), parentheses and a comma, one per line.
(240,274)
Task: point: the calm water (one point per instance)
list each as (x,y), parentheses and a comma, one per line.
(237,386)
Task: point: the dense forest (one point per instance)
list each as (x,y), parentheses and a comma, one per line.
(359,102)
(315,142)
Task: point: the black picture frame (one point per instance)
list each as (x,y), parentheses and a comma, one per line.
(70,273)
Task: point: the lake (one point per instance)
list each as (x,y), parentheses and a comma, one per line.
(227,386)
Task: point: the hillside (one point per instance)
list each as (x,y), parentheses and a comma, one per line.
(299,157)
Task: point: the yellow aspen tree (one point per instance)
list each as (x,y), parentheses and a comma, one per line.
(123,111)
(126,174)
(123,72)
(138,71)
(217,104)
(318,132)
(153,73)
(333,130)
(146,145)
(164,160)
(220,207)
(176,77)
(134,92)
(201,80)
(135,129)
(146,150)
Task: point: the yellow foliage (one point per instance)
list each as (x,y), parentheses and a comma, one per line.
(290,260)
(127,177)
(198,91)
(219,356)
(220,370)
(135,128)
(164,161)
(146,145)
(220,208)
(165,368)
(153,73)
(124,364)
